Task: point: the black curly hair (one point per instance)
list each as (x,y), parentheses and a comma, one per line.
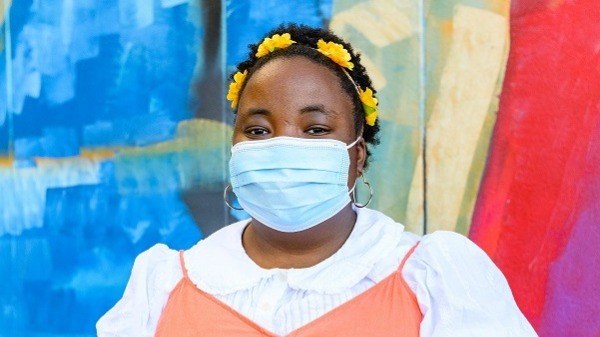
(306,39)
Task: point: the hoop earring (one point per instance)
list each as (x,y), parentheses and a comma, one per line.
(227,202)
(370,193)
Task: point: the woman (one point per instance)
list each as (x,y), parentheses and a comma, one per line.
(311,261)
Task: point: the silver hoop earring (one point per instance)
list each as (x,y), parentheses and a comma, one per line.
(370,193)
(227,202)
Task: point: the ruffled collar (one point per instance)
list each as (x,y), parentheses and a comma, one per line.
(219,264)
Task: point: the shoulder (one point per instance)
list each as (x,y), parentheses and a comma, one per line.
(448,246)
(155,273)
(159,253)
(163,265)
(441,249)
(460,290)
(449,254)
(159,266)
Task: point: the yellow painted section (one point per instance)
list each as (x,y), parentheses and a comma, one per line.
(471,75)
(191,134)
(198,155)
(381,22)
(389,48)
(439,68)
(90,154)
(6,162)
(4,7)
(97,154)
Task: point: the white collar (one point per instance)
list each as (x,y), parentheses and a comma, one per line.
(220,265)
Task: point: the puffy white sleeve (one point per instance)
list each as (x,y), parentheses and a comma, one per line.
(460,291)
(155,273)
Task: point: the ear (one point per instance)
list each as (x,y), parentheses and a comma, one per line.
(361,156)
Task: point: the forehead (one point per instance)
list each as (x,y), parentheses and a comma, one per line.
(294,82)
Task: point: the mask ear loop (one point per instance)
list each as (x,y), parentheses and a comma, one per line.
(370,193)
(351,145)
(227,202)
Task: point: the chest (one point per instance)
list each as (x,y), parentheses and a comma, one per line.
(386,309)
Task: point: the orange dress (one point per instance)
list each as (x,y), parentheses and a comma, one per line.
(388,309)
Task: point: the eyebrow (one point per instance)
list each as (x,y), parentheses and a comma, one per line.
(320,108)
(258,111)
(317,108)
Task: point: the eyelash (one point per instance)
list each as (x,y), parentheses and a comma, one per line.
(252,131)
(321,130)
(313,131)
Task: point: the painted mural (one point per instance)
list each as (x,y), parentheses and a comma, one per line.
(114,135)
(88,85)
(538,209)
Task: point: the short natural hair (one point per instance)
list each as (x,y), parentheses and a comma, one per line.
(306,41)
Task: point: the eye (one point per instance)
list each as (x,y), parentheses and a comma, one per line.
(256,131)
(317,130)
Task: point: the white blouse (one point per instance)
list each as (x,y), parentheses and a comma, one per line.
(459,290)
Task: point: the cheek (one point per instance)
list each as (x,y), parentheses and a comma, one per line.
(352,170)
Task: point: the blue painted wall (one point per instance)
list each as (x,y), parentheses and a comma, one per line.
(105,147)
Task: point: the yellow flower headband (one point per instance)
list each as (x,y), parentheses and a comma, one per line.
(334,51)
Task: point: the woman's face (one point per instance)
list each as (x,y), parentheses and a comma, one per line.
(296,97)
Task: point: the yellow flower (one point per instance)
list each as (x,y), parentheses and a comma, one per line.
(234,87)
(371,118)
(336,52)
(270,44)
(369,104)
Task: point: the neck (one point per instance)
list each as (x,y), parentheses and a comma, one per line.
(269,248)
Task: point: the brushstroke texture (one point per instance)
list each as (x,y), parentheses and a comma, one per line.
(89,88)
(108,162)
(23,191)
(248,21)
(540,190)
(467,86)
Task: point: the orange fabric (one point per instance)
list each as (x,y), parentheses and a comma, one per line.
(387,309)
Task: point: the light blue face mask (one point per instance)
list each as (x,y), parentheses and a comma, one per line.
(291,184)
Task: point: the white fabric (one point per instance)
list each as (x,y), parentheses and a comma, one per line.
(459,290)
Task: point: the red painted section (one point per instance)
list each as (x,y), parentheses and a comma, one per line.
(539,181)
